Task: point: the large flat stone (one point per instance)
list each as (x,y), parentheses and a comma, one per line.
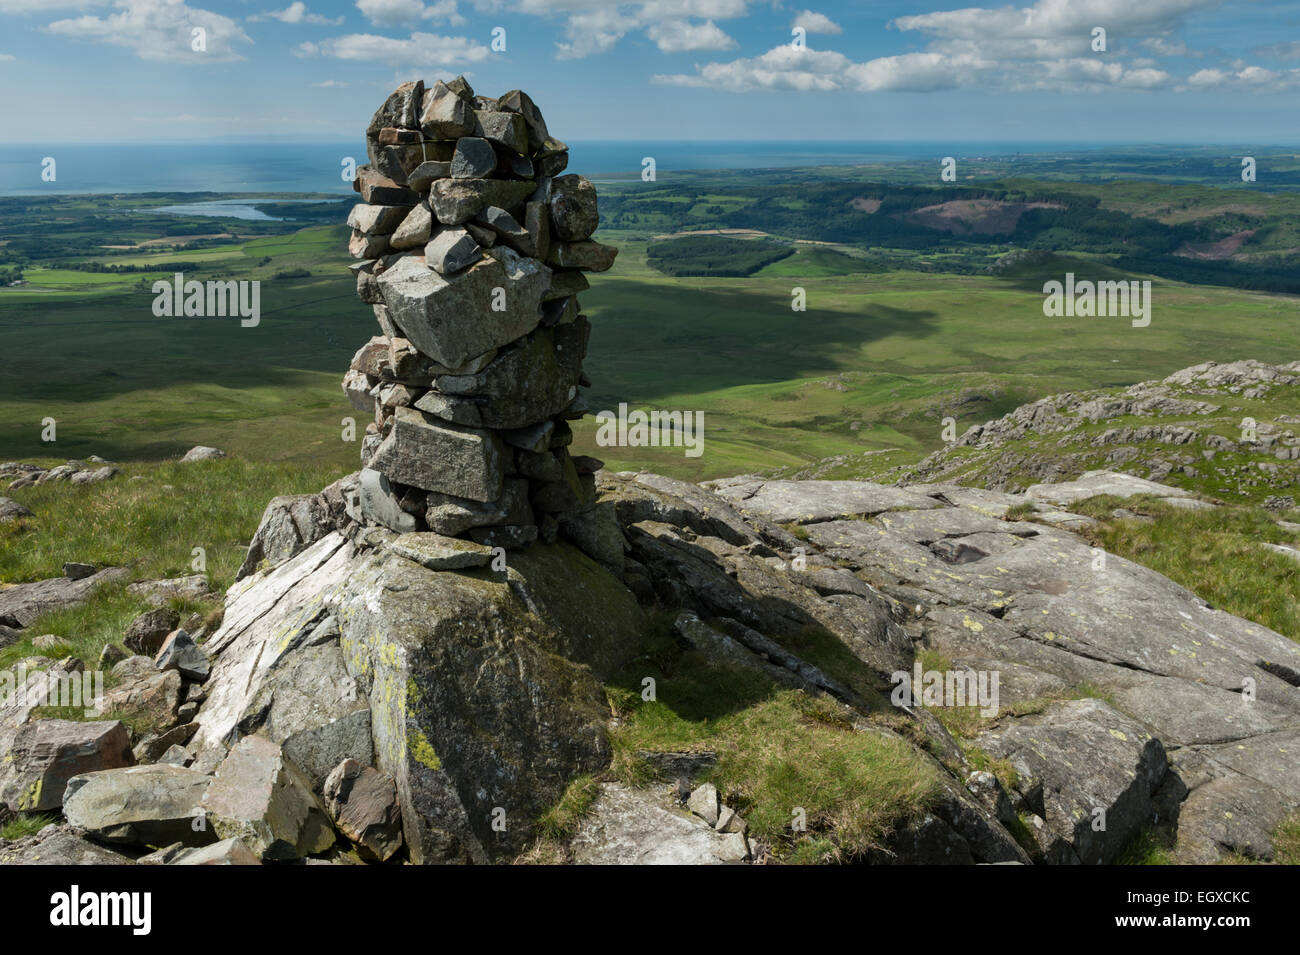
(434,455)
(807,502)
(140,805)
(453,318)
(47,753)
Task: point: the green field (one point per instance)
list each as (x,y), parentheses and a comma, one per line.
(873,364)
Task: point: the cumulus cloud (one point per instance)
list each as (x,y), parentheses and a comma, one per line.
(816,23)
(388,13)
(423,50)
(295,13)
(679,36)
(1255,78)
(596,26)
(159,30)
(46,6)
(1044,46)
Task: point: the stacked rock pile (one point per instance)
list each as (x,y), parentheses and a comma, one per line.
(472,247)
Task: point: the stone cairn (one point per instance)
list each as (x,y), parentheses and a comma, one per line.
(471,248)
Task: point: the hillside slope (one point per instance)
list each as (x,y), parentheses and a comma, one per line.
(1227,430)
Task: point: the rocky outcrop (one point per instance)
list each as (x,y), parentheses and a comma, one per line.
(25,602)
(402,693)
(1227,429)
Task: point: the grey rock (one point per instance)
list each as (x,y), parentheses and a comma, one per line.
(1075,759)
(11,510)
(455,201)
(585,255)
(505,129)
(153,746)
(378,504)
(311,707)
(146,633)
(704,803)
(573,208)
(421,178)
(529,382)
(452,250)
(807,502)
(480,701)
(632,827)
(267,617)
(376,220)
(202,453)
(140,805)
(449,515)
(433,455)
(25,602)
(504,225)
(292,523)
(261,798)
(363,804)
(474,158)
(437,552)
(445,114)
(414,230)
(176,755)
(517,101)
(225,852)
(59,845)
(75,571)
(158,592)
(45,754)
(180,652)
(444,317)
(402,109)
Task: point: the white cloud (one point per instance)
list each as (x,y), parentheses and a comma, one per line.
(159,30)
(6,57)
(388,13)
(781,68)
(46,6)
(330,85)
(1255,78)
(679,36)
(1044,46)
(294,13)
(426,50)
(817,23)
(595,26)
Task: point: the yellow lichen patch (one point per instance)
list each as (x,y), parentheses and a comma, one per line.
(418,746)
(1118,735)
(972,625)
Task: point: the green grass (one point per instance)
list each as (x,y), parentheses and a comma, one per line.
(1213,553)
(1286,841)
(27,824)
(153,524)
(778,751)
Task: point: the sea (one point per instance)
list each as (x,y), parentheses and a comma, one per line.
(319,167)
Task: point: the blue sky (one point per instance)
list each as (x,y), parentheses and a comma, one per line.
(1173,70)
